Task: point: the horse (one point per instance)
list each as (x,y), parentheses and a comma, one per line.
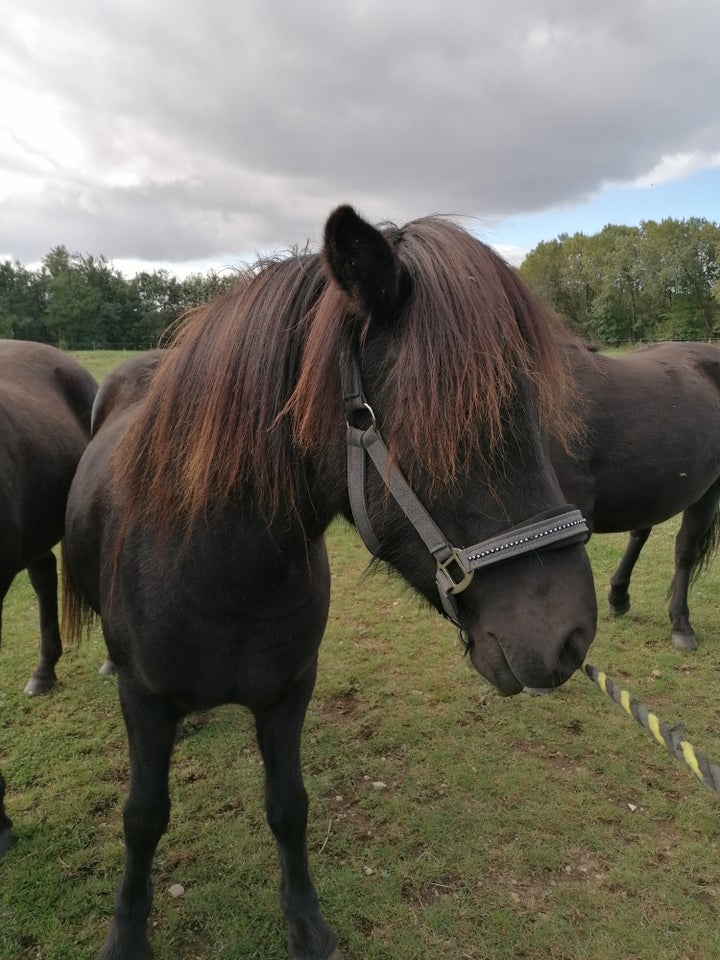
(45,402)
(650,450)
(348,382)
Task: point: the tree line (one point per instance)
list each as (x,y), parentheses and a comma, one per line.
(656,281)
(83,302)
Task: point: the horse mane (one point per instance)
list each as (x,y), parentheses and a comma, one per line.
(210,421)
(469,330)
(251,381)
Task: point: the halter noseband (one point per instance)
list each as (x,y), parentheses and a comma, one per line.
(455,566)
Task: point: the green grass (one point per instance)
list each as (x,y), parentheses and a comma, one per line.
(100,362)
(504,828)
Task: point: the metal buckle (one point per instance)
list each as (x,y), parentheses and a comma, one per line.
(365,408)
(456,586)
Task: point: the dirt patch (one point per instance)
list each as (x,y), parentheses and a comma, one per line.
(427,892)
(348,816)
(339,709)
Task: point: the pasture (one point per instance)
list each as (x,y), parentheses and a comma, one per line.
(444,819)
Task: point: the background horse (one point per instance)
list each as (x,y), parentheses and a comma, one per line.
(651,450)
(195,524)
(45,402)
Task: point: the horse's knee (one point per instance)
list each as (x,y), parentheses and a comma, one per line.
(287,813)
(145,819)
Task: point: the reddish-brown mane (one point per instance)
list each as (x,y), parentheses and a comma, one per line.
(470,329)
(210,424)
(251,382)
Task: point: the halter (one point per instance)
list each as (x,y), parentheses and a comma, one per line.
(455,566)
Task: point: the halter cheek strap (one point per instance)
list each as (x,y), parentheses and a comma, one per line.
(455,566)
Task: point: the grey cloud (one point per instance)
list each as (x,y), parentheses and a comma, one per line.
(249,121)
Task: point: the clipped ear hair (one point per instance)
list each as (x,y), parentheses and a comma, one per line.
(364,263)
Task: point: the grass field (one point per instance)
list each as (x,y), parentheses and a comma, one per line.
(445,820)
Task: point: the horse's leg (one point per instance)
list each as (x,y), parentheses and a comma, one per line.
(5,821)
(150,724)
(618,595)
(43,577)
(278,731)
(696,526)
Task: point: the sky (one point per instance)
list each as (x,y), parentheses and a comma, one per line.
(197,134)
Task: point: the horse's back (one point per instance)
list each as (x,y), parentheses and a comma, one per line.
(45,402)
(652,433)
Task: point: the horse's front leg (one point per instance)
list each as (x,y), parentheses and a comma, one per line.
(150,724)
(6,838)
(43,577)
(279,731)
(619,593)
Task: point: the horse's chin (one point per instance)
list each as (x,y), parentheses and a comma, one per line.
(489,659)
(511,670)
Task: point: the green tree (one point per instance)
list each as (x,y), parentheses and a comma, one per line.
(617,311)
(558,271)
(22,303)
(655,281)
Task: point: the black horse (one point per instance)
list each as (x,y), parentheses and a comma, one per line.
(651,450)
(45,402)
(195,524)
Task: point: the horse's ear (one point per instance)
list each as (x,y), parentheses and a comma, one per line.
(363,263)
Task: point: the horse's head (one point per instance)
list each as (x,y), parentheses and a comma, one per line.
(450,366)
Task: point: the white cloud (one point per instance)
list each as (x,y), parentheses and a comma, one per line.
(677,166)
(511,252)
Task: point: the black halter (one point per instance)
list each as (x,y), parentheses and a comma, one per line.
(455,566)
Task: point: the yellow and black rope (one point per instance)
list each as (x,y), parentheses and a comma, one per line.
(670,737)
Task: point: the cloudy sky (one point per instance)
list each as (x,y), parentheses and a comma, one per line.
(204,132)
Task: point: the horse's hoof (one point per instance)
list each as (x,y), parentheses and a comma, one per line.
(6,840)
(107,669)
(538,691)
(684,641)
(618,609)
(35,686)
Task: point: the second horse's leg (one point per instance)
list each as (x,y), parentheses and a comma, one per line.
(694,543)
(5,821)
(619,593)
(43,577)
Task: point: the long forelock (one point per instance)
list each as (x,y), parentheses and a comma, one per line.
(468,335)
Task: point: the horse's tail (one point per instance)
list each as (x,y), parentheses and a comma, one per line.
(77,616)
(707,547)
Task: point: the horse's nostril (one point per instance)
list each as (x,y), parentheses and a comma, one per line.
(573,650)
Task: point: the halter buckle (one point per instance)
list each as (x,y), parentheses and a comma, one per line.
(445,575)
(363,409)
